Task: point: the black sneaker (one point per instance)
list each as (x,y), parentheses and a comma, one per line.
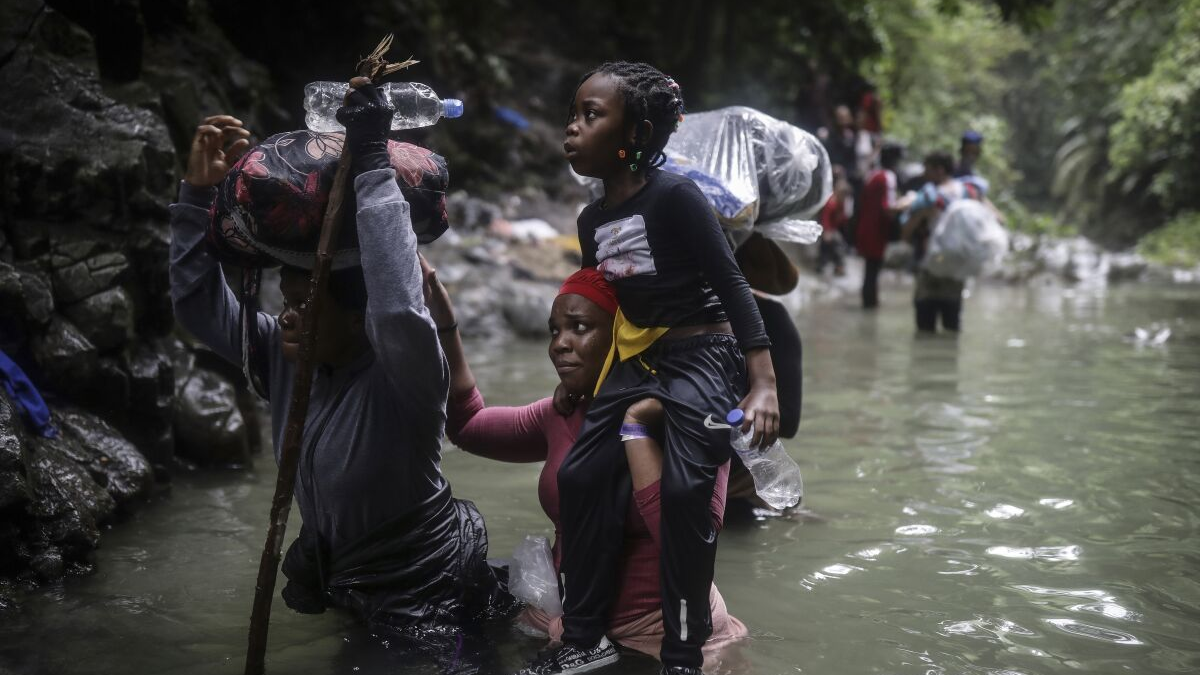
(571,659)
(681,670)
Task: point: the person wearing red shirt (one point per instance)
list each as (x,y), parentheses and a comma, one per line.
(877,209)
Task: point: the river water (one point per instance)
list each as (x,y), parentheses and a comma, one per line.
(1022,499)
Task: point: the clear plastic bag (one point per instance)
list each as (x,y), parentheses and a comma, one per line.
(966,238)
(531,576)
(758,173)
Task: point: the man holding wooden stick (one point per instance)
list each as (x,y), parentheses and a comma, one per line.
(381,534)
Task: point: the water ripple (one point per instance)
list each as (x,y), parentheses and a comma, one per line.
(982,627)
(1109,609)
(1051,553)
(1005,511)
(1094,632)
(915,530)
(1091,594)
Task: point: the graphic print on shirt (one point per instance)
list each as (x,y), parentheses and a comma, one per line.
(622,249)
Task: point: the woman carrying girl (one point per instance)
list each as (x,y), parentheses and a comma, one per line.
(580,337)
(682,302)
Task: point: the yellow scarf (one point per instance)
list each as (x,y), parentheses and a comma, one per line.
(629,340)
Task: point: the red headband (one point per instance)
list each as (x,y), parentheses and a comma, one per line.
(591,284)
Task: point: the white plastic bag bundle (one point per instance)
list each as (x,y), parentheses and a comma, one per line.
(965,238)
(531,576)
(758,173)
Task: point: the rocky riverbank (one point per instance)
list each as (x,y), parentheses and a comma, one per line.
(88,165)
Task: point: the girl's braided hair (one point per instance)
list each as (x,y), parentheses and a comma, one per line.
(649,95)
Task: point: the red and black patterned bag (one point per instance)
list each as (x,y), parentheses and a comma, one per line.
(271,204)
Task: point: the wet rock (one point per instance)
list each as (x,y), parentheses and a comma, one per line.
(67,505)
(1086,262)
(106,318)
(13,489)
(108,390)
(1053,256)
(94,165)
(469,213)
(475,310)
(25,293)
(65,355)
(152,404)
(209,427)
(48,564)
(29,239)
(112,461)
(87,277)
(149,246)
(1126,266)
(152,383)
(8,598)
(526,305)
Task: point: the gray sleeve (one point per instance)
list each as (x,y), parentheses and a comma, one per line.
(202,301)
(397,322)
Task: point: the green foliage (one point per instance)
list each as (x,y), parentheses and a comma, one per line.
(1091,108)
(1158,133)
(1020,218)
(1176,243)
(1098,125)
(942,73)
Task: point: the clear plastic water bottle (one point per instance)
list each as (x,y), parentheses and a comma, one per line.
(416,105)
(776,475)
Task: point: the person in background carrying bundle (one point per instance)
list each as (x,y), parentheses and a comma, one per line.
(381,535)
(935,297)
(682,300)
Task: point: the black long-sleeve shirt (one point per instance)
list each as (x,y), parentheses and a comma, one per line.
(671,265)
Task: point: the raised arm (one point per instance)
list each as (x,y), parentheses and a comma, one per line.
(202,302)
(397,324)
(441,310)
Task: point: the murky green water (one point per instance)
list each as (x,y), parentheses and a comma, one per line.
(1020,500)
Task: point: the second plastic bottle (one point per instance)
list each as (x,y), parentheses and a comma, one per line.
(776,475)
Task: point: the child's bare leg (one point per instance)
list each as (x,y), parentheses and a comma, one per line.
(642,420)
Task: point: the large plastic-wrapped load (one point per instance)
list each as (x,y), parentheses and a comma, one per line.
(965,238)
(759,173)
(774,176)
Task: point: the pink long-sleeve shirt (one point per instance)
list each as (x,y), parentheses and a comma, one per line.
(536,432)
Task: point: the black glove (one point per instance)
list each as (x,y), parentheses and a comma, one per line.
(367,116)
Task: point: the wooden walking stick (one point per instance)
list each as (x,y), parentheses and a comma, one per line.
(372,67)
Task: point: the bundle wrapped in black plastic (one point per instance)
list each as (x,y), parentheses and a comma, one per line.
(760,174)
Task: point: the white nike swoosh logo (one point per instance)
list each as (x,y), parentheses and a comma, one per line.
(710,424)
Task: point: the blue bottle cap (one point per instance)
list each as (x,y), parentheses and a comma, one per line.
(735,417)
(453,107)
